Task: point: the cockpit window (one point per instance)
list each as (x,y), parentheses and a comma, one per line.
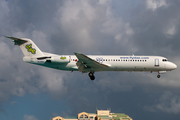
(164,60)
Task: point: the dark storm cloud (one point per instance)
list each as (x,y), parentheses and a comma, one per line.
(157,28)
(93,27)
(89,27)
(39,14)
(24,19)
(150,32)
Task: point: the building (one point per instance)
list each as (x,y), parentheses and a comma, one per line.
(100,115)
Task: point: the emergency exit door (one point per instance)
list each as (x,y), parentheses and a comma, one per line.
(156,62)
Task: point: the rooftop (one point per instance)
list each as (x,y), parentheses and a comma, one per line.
(119,115)
(70,117)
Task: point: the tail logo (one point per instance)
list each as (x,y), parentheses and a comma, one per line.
(30,49)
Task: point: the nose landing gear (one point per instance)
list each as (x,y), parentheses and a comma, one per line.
(91,75)
(158,76)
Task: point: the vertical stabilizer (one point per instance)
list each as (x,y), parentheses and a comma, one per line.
(28,47)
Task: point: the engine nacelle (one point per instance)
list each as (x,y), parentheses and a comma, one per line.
(60,59)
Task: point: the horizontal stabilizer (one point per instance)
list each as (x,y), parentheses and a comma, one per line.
(17,41)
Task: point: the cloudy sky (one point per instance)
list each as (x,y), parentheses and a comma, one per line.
(114,27)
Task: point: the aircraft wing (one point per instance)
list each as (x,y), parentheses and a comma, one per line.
(85,63)
(17,41)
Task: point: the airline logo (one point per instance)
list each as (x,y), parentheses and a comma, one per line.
(62,58)
(100,60)
(30,49)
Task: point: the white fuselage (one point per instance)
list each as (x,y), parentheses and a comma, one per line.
(114,63)
(91,63)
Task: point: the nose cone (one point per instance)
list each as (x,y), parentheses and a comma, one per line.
(172,66)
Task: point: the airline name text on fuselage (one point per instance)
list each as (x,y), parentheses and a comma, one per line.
(134,57)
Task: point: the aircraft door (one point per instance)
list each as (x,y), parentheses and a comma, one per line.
(156,62)
(70,59)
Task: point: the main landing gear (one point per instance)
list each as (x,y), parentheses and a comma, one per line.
(91,75)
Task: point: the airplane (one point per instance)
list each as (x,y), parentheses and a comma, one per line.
(92,63)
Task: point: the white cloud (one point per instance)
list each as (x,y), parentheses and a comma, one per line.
(170,29)
(81,19)
(155,4)
(4,10)
(89,25)
(74,10)
(29,117)
(51,81)
(107,2)
(168,102)
(114,84)
(19,77)
(18,91)
(76,18)
(167,80)
(40,39)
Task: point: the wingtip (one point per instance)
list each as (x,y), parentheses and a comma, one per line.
(7,36)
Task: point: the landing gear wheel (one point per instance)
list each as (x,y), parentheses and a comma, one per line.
(91,75)
(158,76)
